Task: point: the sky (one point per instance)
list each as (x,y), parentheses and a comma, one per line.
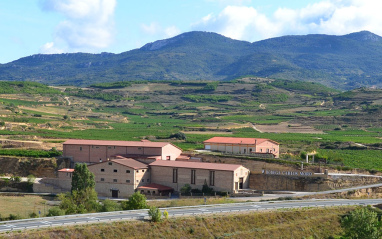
(31,27)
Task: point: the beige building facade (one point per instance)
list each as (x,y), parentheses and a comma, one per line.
(119,177)
(246,146)
(221,177)
(95,151)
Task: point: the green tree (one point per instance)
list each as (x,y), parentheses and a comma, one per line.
(155,214)
(362,223)
(82,198)
(82,178)
(136,201)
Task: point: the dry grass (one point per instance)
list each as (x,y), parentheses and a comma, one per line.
(301,223)
(22,205)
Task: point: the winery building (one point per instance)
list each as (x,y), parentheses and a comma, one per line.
(246,146)
(95,151)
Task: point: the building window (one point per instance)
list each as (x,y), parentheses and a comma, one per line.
(102,170)
(110,163)
(102,179)
(127,181)
(143,180)
(212,178)
(148,180)
(192,176)
(148,191)
(97,147)
(114,147)
(115,180)
(137,181)
(80,148)
(168,157)
(115,170)
(250,150)
(175,175)
(127,171)
(142,191)
(245,150)
(109,147)
(143,171)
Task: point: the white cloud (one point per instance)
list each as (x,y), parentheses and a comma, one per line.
(325,17)
(88,24)
(49,48)
(155,29)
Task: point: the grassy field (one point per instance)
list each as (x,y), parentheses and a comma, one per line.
(296,223)
(23,205)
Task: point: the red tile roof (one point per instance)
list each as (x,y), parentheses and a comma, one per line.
(116,143)
(128,162)
(156,186)
(68,170)
(196,165)
(234,140)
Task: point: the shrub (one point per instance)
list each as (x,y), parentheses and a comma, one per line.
(109,206)
(55,211)
(14,217)
(165,214)
(155,214)
(186,189)
(362,223)
(136,201)
(33,215)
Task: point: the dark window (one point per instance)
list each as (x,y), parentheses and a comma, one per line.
(115,180)
(212,178)
(142,191)
(143,171)
(192,176)
(109,147)
(110,163)
(143,180)
(102,179)
(102,170)
(175,175)
(80,148)
(127,181)
(250,150)
(148,180)
(115,170)
(137,171)
(114,147)
(127,171)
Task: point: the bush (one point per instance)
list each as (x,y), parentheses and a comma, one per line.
(14,217)
(165,214)
(155,214)
(136,201)
(33,215)
(186,189)
(55,211)
(362,223)
(109,206)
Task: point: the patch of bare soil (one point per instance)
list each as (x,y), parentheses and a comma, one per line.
(286,127)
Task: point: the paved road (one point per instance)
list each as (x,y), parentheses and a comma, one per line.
(175,211)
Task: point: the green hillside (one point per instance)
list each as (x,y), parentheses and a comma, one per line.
(343,62)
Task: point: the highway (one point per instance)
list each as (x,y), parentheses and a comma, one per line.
(175,211)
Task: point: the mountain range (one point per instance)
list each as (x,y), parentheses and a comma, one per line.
(342,62)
